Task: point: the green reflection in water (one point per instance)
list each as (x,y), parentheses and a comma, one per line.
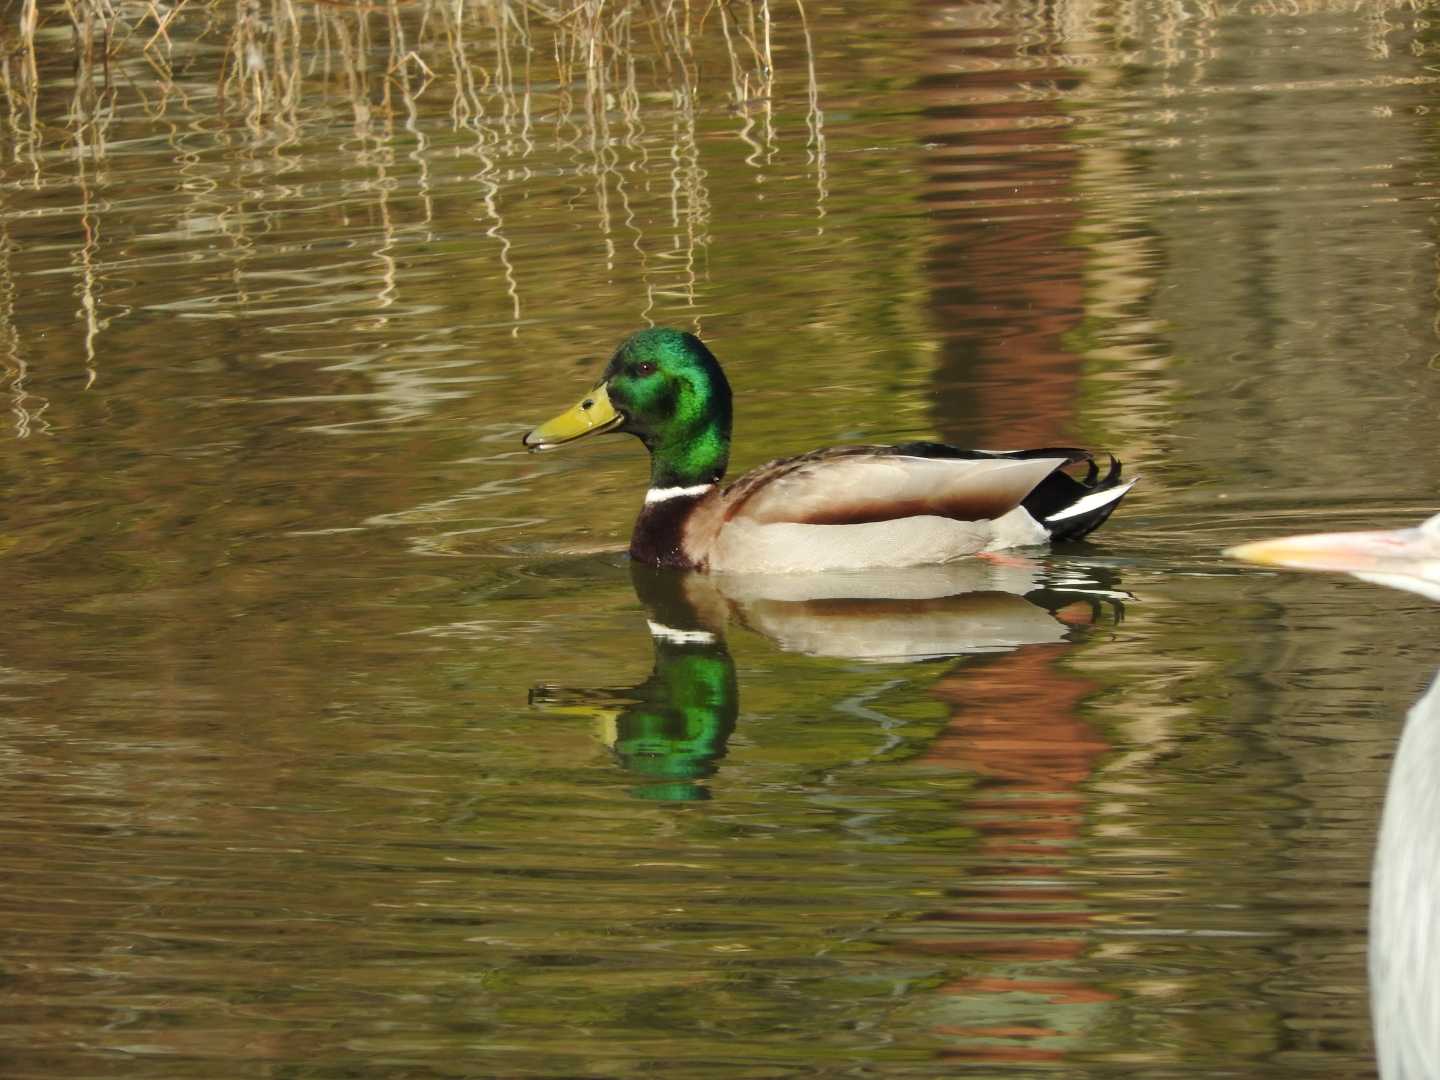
(671,730)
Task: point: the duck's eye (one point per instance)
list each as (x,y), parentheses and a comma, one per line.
(645,368)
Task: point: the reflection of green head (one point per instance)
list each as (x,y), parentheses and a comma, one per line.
(677,730)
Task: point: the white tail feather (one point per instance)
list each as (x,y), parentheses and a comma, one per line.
(1093,501)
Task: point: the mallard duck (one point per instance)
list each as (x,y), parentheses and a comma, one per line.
(845,508)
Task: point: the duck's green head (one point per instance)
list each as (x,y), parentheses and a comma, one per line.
(666,388)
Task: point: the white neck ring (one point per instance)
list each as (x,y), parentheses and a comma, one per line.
(656,495)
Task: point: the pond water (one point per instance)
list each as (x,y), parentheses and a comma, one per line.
(334,742)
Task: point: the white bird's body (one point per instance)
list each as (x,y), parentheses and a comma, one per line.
(1405,881)
(1405,904)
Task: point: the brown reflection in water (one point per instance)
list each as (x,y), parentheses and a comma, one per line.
(1006,285)
(1015,722)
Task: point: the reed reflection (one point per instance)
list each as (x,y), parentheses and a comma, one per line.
(670,731)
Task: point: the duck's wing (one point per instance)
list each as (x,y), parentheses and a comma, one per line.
(860,507)
(852,485)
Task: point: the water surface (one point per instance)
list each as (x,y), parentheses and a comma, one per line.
(335,739)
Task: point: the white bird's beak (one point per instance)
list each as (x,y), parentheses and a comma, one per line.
(1400,558)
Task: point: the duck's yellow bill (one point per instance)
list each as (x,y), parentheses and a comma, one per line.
(590,416)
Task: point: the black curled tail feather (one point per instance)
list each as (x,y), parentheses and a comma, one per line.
(1061,491)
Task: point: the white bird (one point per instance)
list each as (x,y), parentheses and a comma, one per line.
(1405,883)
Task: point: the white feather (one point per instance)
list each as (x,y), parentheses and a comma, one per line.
(1404,900)
(1093,501)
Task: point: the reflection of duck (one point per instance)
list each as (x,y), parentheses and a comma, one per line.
(672,728)
(843,508)
(969,606)
(1405,890)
